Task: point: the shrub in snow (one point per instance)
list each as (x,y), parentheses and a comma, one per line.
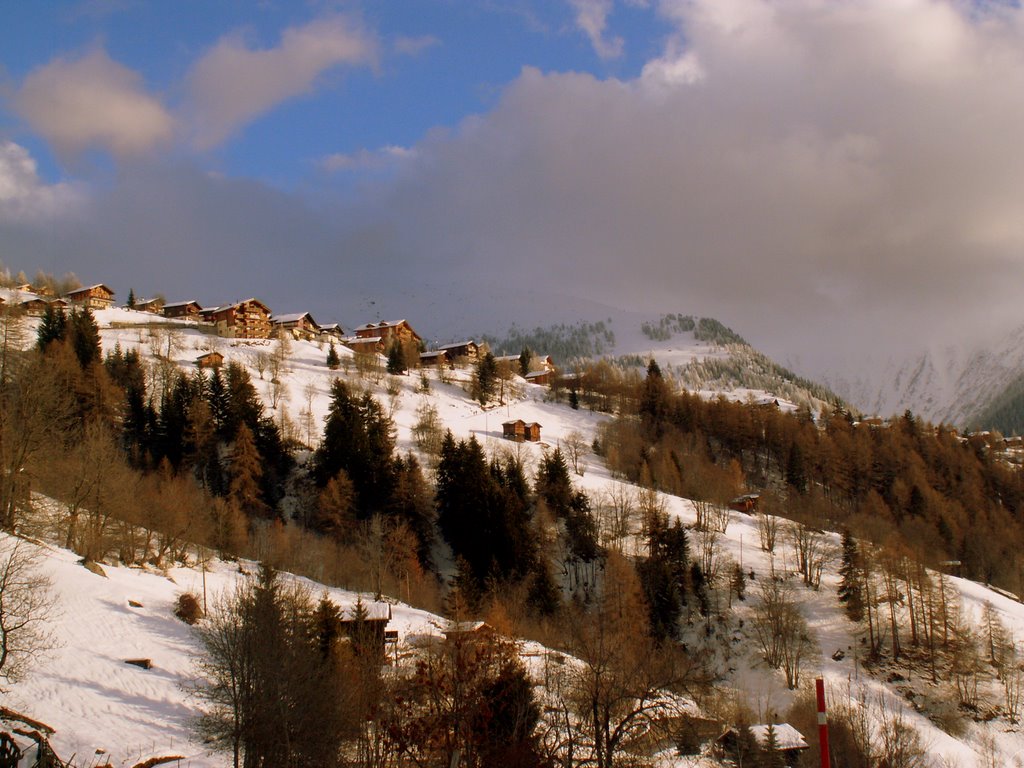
(188,608)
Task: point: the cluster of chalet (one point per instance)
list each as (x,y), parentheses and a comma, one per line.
(252,319)
(93,297)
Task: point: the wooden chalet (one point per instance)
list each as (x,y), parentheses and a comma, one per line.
(365,345)
(210,360)
(747,503)
(436,359)
(540,377)
(300,326)
(188,310)
(36,307)
(789,742)
(25,288)
(521,431)
(469,351)
(368,630)
(249,319)
(97,296)
(153,306)
(331,332)
(468,630)
(388,330)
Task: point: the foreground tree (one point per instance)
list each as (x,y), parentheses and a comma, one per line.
(626,681)
(26,606)
(273,689)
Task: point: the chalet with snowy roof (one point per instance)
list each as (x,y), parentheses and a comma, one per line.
(153,306)
(364,345)
(210,360)
(36,307)
(249,319)
(25,288)
(540,377)
(187,310)
(331,332)
(521,431)
(789,742)
(435,359)
(299,325)
(747,503)
(469,350)
(97,296)
(468,630)
(388,330)
(365,624)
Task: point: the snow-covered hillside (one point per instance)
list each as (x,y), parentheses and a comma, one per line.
(97,702)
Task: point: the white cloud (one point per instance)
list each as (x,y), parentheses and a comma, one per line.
(24,196)
(234,83)
(414,46)
(93,102)
(817,174)
(592,19)
(366,159)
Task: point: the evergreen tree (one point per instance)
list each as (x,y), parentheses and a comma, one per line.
(524,361)
(485,378)
(851,573)
(396,359)
(131,298)
(246,472)
(482,516)
(654,403)
(333,361)
(413,503)
(52,327)
(359,438)
(84,335)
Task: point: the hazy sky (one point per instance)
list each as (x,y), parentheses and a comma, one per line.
(825,176)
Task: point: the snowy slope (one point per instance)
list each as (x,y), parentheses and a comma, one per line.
(97,702)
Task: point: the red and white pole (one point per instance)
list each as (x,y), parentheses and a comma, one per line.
(819,685)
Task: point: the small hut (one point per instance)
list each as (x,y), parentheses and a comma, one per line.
(210,360)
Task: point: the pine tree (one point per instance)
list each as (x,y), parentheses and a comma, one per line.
(333,361)
(485,378)
(84,336)
(53,327)
(524,361)
(246,472)
(851,589)
(131,298)
(396,359)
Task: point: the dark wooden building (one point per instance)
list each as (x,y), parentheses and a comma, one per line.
(189,310)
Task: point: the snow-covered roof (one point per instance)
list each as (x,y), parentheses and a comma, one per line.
(181,304)
(373,612)
(361,339)
(456,344)
(381,324)
(292,318)
(786,736)
(107,288)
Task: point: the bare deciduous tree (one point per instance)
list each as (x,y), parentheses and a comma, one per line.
(575,447)
(26,606)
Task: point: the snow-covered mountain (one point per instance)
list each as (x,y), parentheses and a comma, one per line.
(952,384)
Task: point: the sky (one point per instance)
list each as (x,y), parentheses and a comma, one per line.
(830,178)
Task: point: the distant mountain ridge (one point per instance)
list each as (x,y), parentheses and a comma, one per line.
(966,386)
(699,353)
